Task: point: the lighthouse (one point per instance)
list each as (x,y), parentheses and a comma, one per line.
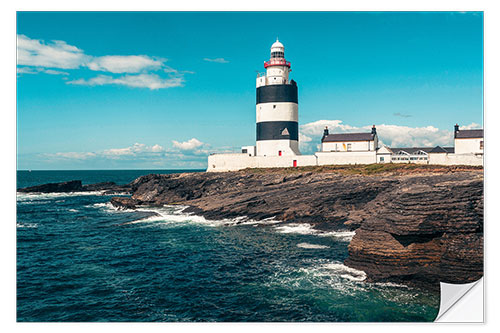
(277,107)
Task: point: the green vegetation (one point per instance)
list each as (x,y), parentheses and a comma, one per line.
(368,169)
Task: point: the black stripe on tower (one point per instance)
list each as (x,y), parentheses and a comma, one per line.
(277,93)
(278,130)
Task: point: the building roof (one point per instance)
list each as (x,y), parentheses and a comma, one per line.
(469,134)
(344,137)
(439,149)
(412,150)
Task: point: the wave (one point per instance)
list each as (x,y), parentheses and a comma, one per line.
(26,225)
(28,197)
(175,214)
(319,273)
(307,229)
(346,271)
(311,246)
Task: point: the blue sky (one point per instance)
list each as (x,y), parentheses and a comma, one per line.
(162,90)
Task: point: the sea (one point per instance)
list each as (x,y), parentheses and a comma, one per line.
(79,259)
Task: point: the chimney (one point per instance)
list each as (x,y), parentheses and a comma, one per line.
(374,130)
(457,129)
(325,132)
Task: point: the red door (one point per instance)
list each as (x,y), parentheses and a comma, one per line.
(279,153)
(294,163)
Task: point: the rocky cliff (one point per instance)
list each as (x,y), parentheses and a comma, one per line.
(412,224)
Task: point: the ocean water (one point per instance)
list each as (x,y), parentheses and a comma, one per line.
(79,259)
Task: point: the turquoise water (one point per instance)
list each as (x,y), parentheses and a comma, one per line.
(79,259)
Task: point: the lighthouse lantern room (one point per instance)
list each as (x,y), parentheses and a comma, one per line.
(277,107)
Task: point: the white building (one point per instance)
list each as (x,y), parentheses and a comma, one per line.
(349,142)
(469,141)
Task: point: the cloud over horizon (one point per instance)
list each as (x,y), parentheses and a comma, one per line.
(191,153)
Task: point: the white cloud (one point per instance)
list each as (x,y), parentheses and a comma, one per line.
(40,57)
(471,126)
(57,54)
(316,128)
(217,60)
(157,149)
(151,81)
(402,115)
(74,155)
(404,136)
(191,144)
(124,64)
(136,149)
(36,70)
(138,154)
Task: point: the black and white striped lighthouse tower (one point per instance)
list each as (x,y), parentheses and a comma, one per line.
(277,108)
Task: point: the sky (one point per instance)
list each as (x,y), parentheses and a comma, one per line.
(162,90)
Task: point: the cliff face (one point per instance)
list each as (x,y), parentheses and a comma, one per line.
(425,227)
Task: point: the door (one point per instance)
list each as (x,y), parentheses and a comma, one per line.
(294,163)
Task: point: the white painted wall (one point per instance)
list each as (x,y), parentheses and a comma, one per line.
(283,111)
(250,150)
(467,146)
(343,146)
(384,158)
(261,81)
(233,162)
(272,147)
(360,157)
(455,159)
(277,74)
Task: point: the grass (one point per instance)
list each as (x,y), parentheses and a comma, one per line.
(367,169)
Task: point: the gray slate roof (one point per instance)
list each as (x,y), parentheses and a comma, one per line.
(469,134)
(439,149)
(343,137)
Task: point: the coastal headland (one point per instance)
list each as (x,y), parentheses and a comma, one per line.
(416,224)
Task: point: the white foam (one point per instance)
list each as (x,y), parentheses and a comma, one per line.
(26,225)
(296,228)
(168,214)
(21,196)
(307,229)
(320,272)
(311,246)
(346,271)
(390,284)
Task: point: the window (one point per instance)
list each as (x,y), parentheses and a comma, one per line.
(244,151)
(349,147)
(274,106)
(381,158)
(481,145)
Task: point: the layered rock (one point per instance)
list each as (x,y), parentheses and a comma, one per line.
(426,228)
(409,227)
